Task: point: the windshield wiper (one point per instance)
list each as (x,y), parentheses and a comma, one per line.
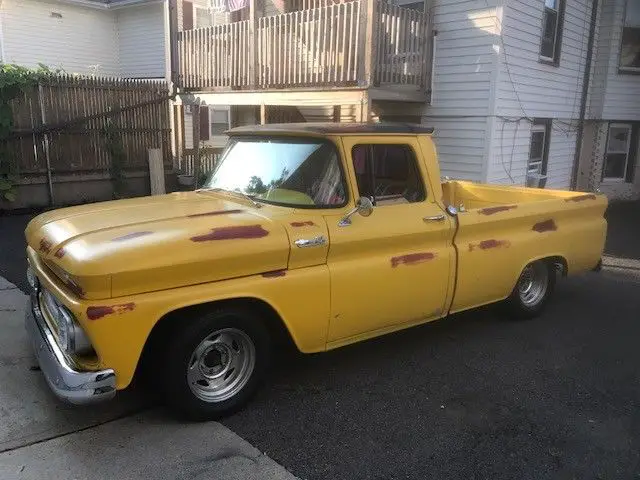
(234,192)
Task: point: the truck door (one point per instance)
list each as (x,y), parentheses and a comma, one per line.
(391,268)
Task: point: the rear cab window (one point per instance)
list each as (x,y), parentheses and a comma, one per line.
(388,174)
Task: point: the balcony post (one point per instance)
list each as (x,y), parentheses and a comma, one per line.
(253,45)
(368,22)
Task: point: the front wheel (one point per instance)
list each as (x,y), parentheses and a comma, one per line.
(533,289)
(215,364)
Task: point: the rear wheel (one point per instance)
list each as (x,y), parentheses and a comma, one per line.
(214,365)
(533,289)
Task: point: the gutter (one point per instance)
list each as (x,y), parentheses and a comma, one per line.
(585,93)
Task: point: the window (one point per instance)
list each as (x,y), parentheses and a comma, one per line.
(619,158)
(630,47)
(552,19)
(388,174)
(219,121)
(538,153)
(301,173)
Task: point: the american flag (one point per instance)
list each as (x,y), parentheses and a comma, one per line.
(235,5)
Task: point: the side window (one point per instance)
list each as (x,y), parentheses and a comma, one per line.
(388,174)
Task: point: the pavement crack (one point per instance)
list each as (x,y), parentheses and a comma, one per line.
(66,434)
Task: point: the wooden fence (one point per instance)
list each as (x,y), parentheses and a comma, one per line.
(208,160)
(60,125)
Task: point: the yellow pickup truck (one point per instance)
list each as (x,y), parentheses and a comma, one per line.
(318,234)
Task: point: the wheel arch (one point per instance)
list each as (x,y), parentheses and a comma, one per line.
(162,330)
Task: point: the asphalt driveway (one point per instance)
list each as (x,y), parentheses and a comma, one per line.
(472,396)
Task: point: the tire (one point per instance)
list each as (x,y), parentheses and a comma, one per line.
(214,365)
(533,290)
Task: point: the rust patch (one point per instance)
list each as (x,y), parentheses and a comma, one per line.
(308,223)
(60,253)
(488,244)
(581,198)
(412,259)
(498,209)
(214,213)
(96,313)
(274,274)
(45,246)
(230,233)
(130,236)
(546,226)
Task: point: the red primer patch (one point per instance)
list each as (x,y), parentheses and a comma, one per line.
(275,274)
(60,253)
(581,198)
(546,226)
(96,313)
(130,236)
(45,246)
(412,259)
(498,209)
(308,223)
(488,244)
(214,213)
(231,233)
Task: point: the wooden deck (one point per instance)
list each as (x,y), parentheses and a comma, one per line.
(356,43)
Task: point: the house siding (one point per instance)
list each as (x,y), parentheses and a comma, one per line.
(511,140)
(616,96)
(529,88)
(82,41)
(141,41)
(461,100)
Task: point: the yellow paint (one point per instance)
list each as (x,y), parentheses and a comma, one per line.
(134,261)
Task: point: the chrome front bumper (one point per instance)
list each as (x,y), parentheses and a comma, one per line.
(70,385)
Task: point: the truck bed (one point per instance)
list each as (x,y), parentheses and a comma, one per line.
(501,228)
(478,196)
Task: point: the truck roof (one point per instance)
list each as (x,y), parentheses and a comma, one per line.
(328,128)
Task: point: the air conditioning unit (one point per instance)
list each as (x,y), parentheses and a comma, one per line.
(535,180)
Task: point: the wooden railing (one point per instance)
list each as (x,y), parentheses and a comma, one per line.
(215,57)
(323,46)
(403,51)
(309,47)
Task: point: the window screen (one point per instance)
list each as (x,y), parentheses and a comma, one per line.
(388,174)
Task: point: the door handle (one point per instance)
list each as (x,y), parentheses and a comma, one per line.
(434,218)
(310,242)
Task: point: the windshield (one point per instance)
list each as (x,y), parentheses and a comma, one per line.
(301,173)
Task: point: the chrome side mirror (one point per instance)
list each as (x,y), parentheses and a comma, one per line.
(364,206)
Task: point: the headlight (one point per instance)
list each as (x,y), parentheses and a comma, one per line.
(71,337)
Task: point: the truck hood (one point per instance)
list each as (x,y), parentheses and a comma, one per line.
(125,247)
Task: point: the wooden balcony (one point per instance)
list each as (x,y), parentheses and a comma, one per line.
(359,44)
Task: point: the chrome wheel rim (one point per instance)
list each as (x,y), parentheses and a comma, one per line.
(532,285)
(221,365)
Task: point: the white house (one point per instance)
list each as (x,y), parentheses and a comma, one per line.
(124,38)
(508,91)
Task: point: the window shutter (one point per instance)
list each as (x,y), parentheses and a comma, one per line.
(187,15)
(204,123)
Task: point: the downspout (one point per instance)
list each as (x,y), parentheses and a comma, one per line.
(585,93)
